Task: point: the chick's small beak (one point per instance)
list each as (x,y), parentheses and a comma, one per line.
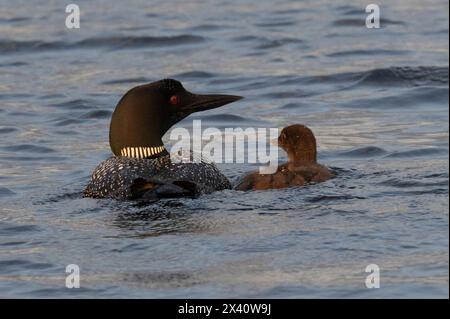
(274,142)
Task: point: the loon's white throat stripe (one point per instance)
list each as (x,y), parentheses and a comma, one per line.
(141,152)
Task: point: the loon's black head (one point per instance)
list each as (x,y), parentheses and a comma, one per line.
(146,112)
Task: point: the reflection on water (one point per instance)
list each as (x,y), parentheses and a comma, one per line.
(377,101)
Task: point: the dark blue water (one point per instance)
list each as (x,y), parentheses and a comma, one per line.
(377,100)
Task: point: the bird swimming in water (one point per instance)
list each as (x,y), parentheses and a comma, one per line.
(300,145)
(141,167)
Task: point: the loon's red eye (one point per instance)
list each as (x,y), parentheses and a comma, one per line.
(174,99)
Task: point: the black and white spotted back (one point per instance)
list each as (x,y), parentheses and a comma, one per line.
(114,177)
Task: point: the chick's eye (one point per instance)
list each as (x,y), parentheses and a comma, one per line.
(174,99)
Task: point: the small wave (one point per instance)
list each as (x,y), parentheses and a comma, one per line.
(267,43)
(368,151)
(288,94)
(208,27)
(13,96)
(291,106)
(291,11)
(23,114)
(231,118)
(68,122)
(133,42)
(437,175)
(51,96)
(398,76)
(410,98)
(272,24)
(322,198)
(14,19)
(249,84)
(412,76)
(14,265)
(7,230)
(371,52)
(60,197)
(13,243)
(223,121)
(135,28)
(307,106)
(419,152)
(97,114)
(195,75)
(433,191)
(6,130)
(75,118)
(247,38)
(33,158)
(8,46)
(67,132)
(362,22)
(29,148)
(350,10)
(5,192)
(161,279)
(270,44)
(231,80)
(434,32)
(401,183)
(119,42)
(76,104)
(13,64)
(127,81)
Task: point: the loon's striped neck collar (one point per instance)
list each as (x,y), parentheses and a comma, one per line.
(143,152)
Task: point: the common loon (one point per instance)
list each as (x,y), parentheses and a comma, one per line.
(141,167)
(300,145)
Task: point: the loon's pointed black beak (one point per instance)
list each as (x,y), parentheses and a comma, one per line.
(202,102)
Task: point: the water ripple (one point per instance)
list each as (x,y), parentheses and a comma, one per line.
(116,43)
(29,148)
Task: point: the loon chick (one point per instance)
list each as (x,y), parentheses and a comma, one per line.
(300,145)
(141,167)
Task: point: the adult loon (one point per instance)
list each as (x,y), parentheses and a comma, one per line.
(141,167)
(300,145)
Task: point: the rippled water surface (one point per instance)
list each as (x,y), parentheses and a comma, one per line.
(377,101)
